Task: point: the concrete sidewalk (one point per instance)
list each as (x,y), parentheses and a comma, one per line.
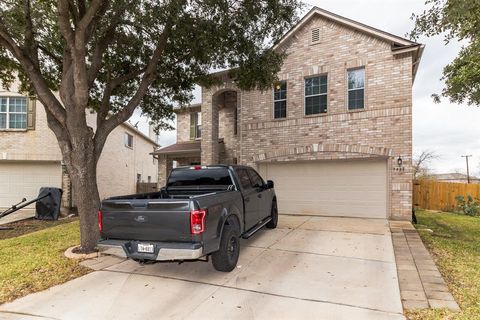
(309,267)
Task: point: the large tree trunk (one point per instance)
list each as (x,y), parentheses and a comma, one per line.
(88,202)
(81,165)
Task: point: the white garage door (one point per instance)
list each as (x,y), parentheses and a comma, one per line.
(24,180)
(331,188)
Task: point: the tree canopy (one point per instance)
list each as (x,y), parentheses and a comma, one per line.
(455,20)
(112,56)
(114,41)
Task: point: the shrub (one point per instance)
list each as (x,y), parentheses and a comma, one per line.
(469,206)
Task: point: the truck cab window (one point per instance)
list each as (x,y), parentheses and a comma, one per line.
(244,179)
(257,181)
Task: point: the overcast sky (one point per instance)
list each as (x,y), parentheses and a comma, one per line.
(448,129)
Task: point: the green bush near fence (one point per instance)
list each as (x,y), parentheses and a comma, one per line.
(469,206)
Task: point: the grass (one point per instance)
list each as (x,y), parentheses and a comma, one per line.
(455,246)
(35,261)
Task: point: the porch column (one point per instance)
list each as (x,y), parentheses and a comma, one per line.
(164,167)
(209,145)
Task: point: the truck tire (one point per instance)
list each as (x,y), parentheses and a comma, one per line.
(274,215)
(225,259)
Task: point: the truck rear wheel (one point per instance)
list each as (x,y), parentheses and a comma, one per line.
(225,259)
(274,215)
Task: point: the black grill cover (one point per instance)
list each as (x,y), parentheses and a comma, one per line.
(48,208)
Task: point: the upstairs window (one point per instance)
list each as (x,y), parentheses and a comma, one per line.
(356,89)
(195,125)
(128,140)
(316,95)
(280,100)
(13,113)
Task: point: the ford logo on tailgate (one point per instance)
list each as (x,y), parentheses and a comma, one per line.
(141,218)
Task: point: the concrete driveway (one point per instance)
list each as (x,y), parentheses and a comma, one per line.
(307,268)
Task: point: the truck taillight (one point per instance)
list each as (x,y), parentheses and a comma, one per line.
(197,221)
(100,220)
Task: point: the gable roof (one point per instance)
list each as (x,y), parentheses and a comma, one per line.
(399,45)
(316,11)
(139,133)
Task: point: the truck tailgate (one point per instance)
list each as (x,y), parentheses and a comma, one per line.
(148,220)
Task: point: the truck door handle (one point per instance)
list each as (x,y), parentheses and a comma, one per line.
(247,199)
(259,195)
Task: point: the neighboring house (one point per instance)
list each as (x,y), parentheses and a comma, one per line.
(335,134)
(30,157)
(452,177)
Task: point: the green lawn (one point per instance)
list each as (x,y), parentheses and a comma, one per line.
(455,245)
(35,261)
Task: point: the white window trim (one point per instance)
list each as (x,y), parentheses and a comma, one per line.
(7,113)
(286,101)
(125,140)
(314,95)
(364,89)
(198,123)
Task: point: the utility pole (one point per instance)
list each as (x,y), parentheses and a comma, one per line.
(468,173)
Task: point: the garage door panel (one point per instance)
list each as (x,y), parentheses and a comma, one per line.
(18,180)
(341,188)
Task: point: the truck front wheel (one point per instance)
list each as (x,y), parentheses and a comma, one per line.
(274,215)
(225,259)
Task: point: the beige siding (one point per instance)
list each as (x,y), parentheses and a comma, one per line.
(119,165)
(38,144)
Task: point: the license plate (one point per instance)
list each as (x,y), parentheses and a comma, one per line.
(146,248)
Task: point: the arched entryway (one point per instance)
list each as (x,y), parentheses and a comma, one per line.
(220,127)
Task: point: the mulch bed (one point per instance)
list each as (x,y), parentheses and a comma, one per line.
(30,225)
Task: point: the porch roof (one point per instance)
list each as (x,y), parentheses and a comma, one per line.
(180,148)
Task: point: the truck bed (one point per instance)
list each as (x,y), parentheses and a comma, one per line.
(156,216)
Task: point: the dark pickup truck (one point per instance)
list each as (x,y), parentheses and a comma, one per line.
(202,211)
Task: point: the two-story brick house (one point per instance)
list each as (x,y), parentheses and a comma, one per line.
(335,134)
(30,157)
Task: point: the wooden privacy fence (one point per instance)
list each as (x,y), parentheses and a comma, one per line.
(144,187)
(434,195)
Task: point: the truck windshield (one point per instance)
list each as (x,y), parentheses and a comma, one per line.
(201,177)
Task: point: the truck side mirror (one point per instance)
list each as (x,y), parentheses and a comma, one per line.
(270,184)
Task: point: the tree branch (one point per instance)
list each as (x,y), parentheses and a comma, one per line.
(89,16)
(30,43)
(148,78)
(64,23)
(100,48)
(109,89)
(40,85)
(54,57)
(73,10)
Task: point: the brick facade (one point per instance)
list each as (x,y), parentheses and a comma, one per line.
(383,129)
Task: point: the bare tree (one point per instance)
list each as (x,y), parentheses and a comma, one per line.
(421,163)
